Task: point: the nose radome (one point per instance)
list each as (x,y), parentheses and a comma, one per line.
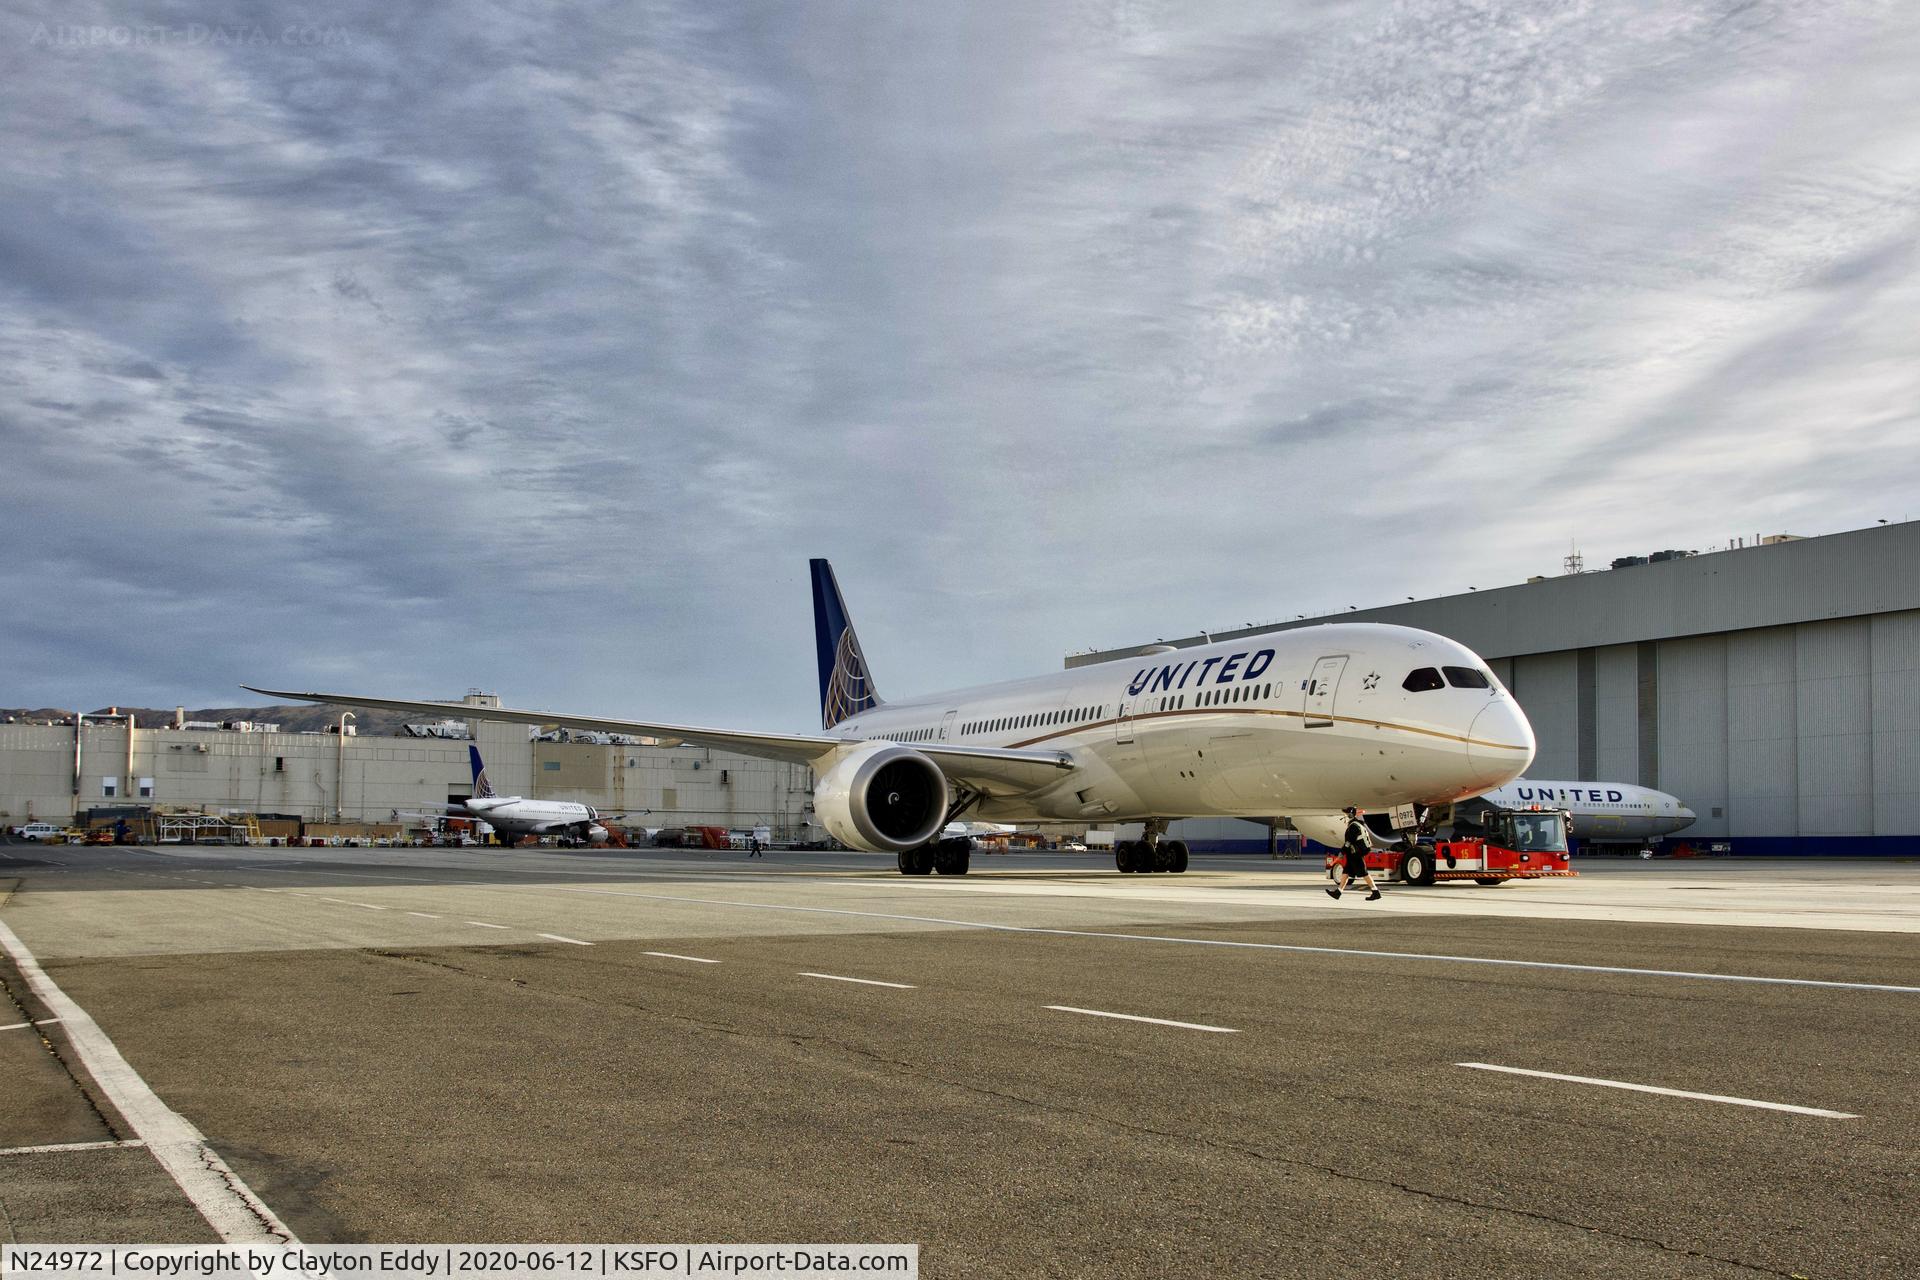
(1500,743)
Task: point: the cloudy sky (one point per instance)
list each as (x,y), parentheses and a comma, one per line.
(537,349)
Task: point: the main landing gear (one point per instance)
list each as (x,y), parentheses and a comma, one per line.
(1151,853)
(948,857)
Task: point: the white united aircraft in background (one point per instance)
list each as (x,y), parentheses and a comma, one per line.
(1603,812)
(1297,724)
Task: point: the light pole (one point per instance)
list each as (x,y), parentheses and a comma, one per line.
(340,770)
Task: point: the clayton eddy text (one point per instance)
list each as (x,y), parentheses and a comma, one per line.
(447,1262)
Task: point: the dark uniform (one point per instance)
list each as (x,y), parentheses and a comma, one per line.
(1355,846)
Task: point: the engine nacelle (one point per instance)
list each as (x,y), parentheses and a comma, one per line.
(881,798)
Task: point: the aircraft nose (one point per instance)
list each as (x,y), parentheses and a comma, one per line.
(1500,743)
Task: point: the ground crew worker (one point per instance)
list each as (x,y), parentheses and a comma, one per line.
(753,847)
(1355,844)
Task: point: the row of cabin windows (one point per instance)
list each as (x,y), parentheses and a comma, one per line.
(1036,720)
(1219,697)
(1421,679)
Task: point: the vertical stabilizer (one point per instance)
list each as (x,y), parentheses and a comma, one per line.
(482,789)
(846,689)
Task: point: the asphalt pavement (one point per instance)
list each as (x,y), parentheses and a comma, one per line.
(1043,1069)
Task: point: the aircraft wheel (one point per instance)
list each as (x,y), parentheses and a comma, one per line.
(1417,868)
(1123,857)
(1176,855)
(916,862)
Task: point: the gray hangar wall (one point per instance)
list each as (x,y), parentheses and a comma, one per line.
(1774,689)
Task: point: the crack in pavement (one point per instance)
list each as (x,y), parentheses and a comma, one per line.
(52,1050)
(214,1165)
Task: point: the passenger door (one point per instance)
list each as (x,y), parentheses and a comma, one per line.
(1321,686)
(946,726)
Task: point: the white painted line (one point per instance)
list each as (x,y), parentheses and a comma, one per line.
(484,925)
(554,937)
(228,1204)
(368,905)
(1287,947)
(71,1146)
(424,915)
(1134,1017)
(664,955)
(865,982)
(1671,1093)
(1291,948)
(22,1026)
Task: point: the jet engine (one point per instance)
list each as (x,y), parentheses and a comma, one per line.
(881,798)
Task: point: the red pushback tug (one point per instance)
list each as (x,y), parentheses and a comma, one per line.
(1495,846)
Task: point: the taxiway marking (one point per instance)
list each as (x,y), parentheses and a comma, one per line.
(22,1026)
(555,937)
(865,982)
(1134,1017)
(1671,1093)
(108,1145)
(668,955)
(230,1206)
(482,924)
(424,915)
(1293,948)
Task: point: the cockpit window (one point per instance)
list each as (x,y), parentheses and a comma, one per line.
(1467,678)
(1422,679)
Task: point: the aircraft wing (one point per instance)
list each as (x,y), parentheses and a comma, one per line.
(996,770)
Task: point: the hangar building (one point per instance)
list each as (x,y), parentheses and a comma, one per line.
(1774,688)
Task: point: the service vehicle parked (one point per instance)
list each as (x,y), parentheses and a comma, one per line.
(1492,848)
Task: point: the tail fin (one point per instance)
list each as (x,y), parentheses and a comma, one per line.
(845,687)
(482,789)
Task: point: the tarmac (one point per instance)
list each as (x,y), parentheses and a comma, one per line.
(1045,1068)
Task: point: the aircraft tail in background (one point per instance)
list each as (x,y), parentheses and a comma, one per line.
(846,687)
(482,789)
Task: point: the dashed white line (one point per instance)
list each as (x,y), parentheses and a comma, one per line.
(223,1199)
(1671,1093)
(668,955)
(555,937)
(108,1145)
(1134,1017)
(368,905)
(482,924)
(865,982)
(22,1026)
(424,915)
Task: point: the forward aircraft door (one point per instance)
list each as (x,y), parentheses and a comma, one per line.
(946,726)
(1123,725)
(1320,690)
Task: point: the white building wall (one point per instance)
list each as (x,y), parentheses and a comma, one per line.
(302,774)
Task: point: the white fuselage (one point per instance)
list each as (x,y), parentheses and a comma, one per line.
(1603,812)
(1292,722)
(513,816)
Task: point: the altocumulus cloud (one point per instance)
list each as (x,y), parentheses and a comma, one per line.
(538,348)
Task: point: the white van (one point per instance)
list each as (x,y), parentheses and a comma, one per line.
(40,831)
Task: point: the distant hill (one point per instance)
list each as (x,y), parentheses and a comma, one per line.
(293,719)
